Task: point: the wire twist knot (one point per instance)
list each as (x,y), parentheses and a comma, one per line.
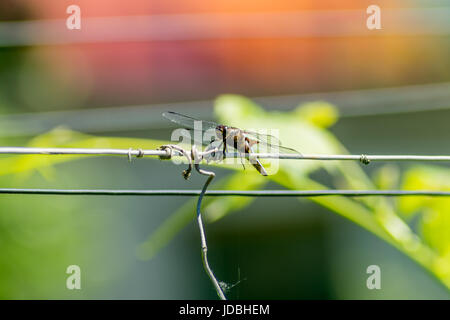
(364,159)
(169,150)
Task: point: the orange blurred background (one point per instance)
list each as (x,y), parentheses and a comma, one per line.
(192,50)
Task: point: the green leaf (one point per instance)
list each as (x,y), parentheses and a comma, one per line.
(434,212)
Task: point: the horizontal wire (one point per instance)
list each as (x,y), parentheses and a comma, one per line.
(353,157)
(220,193)
(245,193)
(166,153)
(369,102)
(219,26)
(83,151)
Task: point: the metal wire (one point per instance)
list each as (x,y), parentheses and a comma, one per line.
(168,153)
(83,151)
(201,226)
(221,193)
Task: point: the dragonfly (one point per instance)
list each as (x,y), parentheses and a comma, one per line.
(225,137)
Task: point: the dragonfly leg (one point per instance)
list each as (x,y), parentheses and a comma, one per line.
(255,162)
(224,150)
(242,160)
(224,141)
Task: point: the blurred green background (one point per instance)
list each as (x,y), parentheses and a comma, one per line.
(334,87)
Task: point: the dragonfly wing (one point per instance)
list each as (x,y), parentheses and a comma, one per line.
(189,134)
(268,143)
(282,149)
(188,122)
(268,139)
(272,148)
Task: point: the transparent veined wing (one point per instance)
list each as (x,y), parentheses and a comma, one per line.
(188,122)
(261,147)
(286,150)
(265,138)
(268,143)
